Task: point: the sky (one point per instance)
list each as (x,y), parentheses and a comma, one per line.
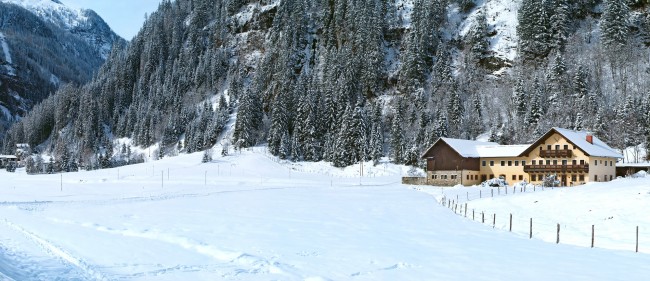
(125,17)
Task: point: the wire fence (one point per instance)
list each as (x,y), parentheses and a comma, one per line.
(580,232)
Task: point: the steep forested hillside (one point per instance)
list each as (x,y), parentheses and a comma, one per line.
(350,80)
(42,46)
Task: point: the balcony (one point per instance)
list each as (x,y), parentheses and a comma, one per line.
(556,168)
(560,153)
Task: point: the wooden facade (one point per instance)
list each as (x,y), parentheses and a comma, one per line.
(442,157)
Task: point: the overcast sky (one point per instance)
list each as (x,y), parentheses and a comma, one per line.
(125,17)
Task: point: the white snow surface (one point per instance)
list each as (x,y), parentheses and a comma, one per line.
(7,54)
(251,217)
(52,11)
(501,17)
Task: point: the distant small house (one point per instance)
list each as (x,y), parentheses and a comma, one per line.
(7,159)
(23,150)
(570,157)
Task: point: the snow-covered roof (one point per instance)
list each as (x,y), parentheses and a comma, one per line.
(8,157)
(501,150)
(467,148)
(579,138)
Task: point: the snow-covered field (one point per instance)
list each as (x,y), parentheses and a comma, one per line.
(247,217)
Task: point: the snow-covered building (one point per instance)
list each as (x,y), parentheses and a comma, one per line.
(6,159)
(571,157)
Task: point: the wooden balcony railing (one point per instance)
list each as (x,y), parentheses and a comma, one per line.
(557,168)
(561,153)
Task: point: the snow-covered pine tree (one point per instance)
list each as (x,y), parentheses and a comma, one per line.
(397,140)
(614,24)
(249,119)
(560,24)
(279,127)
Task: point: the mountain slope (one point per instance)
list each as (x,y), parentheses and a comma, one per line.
(45,44)
(347,81)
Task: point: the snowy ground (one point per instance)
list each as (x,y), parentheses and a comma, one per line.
(247,217)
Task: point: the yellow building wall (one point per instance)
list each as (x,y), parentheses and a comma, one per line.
(602,167)
(572,178)
(506,167)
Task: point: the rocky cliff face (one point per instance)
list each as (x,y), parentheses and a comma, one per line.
(44,44)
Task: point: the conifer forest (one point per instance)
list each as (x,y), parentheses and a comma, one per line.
(350,80)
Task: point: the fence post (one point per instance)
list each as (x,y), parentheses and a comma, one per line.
(494,220)
(534,188)
(510,222)
(531,229)
(499,191)
(558,234)
(506,188)
(472,214)
(480,194)
(467,196)
(637,238)
(465,209)
(592,235)
(492,190)
(482,217)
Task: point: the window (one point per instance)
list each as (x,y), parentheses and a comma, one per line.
(453,177)
(575,162)
(596,163)
(491,163)
(582,177)
(523,162)
(582,162)
(566,147)
(514,177)
(521,177)
(444,177)
(533,178)
(611,177)
(503,163)
(564,162)
(509,163)
(575,147)
(548,147)
(516,162)
(554,162)
(534,162)
(433,177)
(605,163)
(483,163)
(467,177)
(548,162)
(611,163)
(557,147)
(574,178)
(595,177)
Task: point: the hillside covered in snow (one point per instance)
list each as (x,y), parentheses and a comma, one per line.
(355,81)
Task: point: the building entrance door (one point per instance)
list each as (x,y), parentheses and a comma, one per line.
(564,180)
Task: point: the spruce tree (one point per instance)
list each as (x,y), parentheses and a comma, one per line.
(614,24)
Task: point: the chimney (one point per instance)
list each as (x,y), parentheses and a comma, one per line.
(590,138)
